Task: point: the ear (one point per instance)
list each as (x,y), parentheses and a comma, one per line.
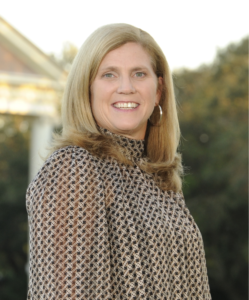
(159,90)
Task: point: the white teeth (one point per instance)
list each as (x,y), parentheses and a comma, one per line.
(126,105)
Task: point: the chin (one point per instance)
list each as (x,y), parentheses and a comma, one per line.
(126,127)
(133,130)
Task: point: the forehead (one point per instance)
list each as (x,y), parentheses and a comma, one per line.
(129,54)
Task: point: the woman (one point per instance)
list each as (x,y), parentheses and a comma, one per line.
(106,214)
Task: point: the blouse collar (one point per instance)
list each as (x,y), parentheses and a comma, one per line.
(133,148)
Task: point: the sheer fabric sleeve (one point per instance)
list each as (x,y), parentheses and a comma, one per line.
(68,232)
(195,284)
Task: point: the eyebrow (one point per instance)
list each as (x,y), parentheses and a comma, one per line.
(115,69)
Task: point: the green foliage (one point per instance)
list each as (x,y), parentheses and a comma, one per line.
(14,144)
(213,117)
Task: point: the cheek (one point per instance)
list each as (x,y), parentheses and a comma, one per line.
(97,103)
(95,96)
(100,92)
(153,92)
(96,111)
(93,102)
(96,107)
(92,94)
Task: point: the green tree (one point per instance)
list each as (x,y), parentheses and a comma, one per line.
(14,144)
(213,116)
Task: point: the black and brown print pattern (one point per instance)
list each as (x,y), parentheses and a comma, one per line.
(103,230)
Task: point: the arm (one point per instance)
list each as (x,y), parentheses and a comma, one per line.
(69,257)
(197,285)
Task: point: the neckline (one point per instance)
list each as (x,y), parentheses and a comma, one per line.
(132,148)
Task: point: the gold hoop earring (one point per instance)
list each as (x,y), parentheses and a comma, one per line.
(160,118)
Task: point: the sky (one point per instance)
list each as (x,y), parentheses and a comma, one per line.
(189,31)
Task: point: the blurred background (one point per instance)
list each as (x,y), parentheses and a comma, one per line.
(206,44)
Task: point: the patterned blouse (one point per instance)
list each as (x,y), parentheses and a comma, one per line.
(103,230)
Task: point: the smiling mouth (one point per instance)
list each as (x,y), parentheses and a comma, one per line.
(126,105)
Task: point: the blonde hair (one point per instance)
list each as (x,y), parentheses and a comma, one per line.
(79,126)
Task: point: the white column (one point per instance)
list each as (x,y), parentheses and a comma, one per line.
(41,136)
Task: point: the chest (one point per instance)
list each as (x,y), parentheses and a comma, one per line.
(135,201)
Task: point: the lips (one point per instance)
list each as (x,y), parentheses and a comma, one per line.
(126,105)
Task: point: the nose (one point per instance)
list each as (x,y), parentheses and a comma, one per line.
(125,86)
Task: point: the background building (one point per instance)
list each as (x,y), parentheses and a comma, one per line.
(31,85)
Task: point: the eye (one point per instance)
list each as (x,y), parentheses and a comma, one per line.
(140,74)
(108,75)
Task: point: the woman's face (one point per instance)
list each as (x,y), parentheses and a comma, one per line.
(125,91)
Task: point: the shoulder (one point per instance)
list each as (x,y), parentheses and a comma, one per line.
(67,153)
(62,168)
(178,198)
(68,156)
(63,161)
